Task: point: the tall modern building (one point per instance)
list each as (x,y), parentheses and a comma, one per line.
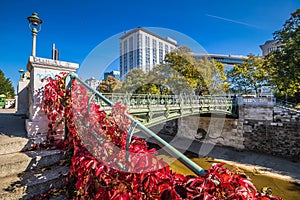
(140,48)
(94,83)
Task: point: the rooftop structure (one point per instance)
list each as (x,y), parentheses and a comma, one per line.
(113,73)
(227,60)
(269,46)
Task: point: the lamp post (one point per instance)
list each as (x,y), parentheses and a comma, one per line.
(21,71)
(35,27)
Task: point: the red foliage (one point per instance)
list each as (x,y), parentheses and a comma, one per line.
(101,169)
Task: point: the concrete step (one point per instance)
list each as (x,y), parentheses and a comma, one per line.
(13,144)
(29,184)
(19,162)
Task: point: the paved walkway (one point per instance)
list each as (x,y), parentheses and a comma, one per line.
(12,124)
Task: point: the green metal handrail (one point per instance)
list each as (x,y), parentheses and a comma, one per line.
(199,104)
(135,123)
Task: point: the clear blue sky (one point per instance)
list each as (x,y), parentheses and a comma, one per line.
(78,26)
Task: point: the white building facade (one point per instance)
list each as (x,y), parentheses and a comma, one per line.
(269,46)
(140,48)
(93,82)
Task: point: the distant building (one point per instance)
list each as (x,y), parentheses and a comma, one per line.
(115,74)
(269,46)
(140,48)
(94,83)
(227,60)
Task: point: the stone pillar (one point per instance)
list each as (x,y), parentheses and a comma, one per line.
(188,126)
(22,102)
(39,68)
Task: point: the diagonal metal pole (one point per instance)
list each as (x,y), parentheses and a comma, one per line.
(162,143)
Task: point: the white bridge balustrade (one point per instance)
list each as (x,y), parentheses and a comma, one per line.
(39,68)
(266,100)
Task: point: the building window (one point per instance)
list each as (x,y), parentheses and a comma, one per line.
(147,41)
(125,46)
(139,58)
(139,40)
(121,64)
(154,49)
(166,49)
(160,52)
(130,43)
(147,59)
(139,51)
(131,60)
(125,63)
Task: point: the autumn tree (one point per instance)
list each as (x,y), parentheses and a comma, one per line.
(213,78)
(248,76)
(109,85)
(6,87)
(284,63)
(134,81)
(206,76)
(169,81)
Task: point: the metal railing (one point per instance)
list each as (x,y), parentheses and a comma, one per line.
(198,104)
(136,124)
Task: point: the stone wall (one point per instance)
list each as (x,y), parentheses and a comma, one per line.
(279,136)
(276,138)
(217,129)
(265,129)
(286,115)
(230,132)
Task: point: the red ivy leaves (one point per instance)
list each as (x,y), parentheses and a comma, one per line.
(98,162)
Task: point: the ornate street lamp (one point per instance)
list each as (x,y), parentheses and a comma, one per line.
(35,27)
(21,71)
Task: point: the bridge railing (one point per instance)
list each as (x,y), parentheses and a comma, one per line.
(205,104)
(93,94)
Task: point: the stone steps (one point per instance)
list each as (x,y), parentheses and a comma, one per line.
(25,174)
(19,162)
(27,185)
(13,144)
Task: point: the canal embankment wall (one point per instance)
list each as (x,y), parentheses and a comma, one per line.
(263,128)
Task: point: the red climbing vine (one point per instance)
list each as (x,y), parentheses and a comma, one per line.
(99,165)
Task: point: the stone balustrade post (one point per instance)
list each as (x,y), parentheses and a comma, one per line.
(39,68)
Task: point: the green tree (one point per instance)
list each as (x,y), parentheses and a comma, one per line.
(109,85)
(248,76)
(135,79)
(6,86)
(185,64)
(284,63)
(169,81)
(213,78)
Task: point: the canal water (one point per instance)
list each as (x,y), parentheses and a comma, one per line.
(282,188)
